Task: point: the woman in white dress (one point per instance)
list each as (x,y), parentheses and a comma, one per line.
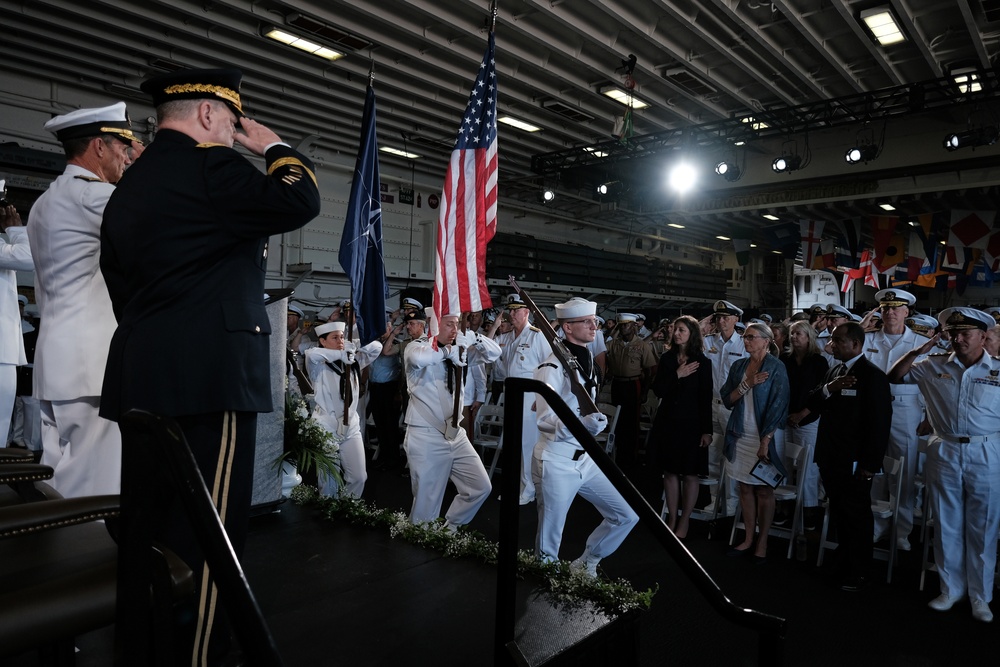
(757,393)
(334,368)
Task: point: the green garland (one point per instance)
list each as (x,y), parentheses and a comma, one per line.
(568,586)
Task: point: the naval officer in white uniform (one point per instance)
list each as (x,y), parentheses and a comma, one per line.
(77,321)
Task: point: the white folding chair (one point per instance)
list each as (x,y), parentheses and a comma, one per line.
(606,438)
(802,457)
(882,509)
(487,431)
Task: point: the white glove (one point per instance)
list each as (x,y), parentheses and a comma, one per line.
(457,356)
(466,339)
(595,422)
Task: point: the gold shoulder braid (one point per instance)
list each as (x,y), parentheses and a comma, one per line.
(89,179)
(295,168)
(211,145)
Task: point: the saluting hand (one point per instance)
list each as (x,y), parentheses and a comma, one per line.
(257,137)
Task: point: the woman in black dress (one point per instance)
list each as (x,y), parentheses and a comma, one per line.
(682,429)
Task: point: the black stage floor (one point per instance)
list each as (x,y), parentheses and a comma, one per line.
(336,594)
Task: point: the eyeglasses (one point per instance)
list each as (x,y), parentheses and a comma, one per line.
(751,337)
(589,323)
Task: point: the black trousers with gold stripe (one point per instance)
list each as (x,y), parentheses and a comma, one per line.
(223,447)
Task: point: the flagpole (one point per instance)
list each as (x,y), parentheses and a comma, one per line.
(371,74)
(493,15)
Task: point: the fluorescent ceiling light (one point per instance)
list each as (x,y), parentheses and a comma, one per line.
(753,245)
(768,216)
(519,124)
(776,252)
(675,225)
(723,238)
(400,153)
(883,25)
(967,79)
(302,44)
(754,123)
(619,95)
(595,152)
(887,207)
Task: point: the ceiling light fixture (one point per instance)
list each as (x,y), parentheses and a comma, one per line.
(883,25)
(400,153)
(786,164)
(683,177)
(967,80)
(728,170)
(675,225)
(723,238)
(519,124)
(755,125)
(285,37)
(863,153)
(772,218)
(602,189)
(623,97)
(548,195)
(981,136)
(887,207)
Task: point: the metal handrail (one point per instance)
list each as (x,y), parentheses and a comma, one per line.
(770,629)
(164,444)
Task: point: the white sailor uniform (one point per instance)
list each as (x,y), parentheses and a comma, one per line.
(520,356)
(330,371)
(963,466)
(561,470)
(436,449)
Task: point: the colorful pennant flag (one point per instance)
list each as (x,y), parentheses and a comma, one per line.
(812,233)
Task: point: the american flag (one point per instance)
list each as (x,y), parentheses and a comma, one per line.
(468,216)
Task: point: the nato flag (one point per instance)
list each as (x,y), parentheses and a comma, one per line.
(361,244)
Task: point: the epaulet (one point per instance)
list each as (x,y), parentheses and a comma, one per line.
(209,144)
(89,179)
(534,328)
(548,365)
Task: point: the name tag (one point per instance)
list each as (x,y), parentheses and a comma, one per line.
(872,350)
(848,392)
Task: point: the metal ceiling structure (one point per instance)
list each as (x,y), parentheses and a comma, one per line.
(697,62)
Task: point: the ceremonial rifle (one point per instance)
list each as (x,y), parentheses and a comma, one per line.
(566,358)
(456,414)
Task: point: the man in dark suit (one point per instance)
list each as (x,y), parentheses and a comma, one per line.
(184,252)
(855,409)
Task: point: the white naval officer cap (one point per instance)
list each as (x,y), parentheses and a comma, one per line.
(836,310)
(740,327)
(722,307)
(514,302)
(627,317)
(23,300)
(961,318)
(330,327)
(295,310)
(992,310)
(411,304)
(767,318)
(922,324)
(575,307)
(87,123)
(895,297)
(639,317)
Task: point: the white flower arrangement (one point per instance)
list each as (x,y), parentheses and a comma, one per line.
(565,584)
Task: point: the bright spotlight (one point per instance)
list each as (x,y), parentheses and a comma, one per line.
(983,136)
(786,163)
(548,195)
(728,171)
(864,153)
(602,189)
(683,177)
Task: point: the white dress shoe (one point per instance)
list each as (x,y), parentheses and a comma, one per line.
(585,566)
(981,611)
(943,602)
(903,544)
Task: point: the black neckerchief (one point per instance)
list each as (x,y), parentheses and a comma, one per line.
(586,361)
(346,390)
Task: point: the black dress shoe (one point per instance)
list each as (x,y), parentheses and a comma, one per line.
(733,552)
(757,560)
(853,584)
